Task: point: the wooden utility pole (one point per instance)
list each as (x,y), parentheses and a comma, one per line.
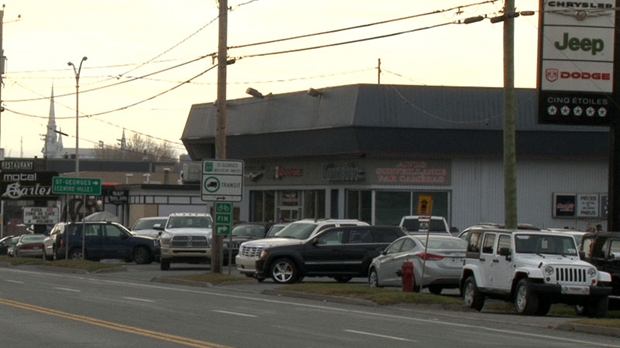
(220,134)
(510,157)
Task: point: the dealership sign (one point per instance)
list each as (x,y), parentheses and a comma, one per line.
(576,62)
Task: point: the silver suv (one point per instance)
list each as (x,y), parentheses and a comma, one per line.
(533,269)
(293,233)
(186,237)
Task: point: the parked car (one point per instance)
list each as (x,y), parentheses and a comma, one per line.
(240,233)
(4,244)
(578,235)
(187,238)
(250,251)
(441,260)
(602,249)
(520,226)
(10,251)
(532,269)
(29,245)
(146,226)
(275,229)
(432,224)
(339,252)
(103,240)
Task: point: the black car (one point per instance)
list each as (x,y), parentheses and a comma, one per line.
(103,240)
(602,249)
(338,252)
(241,232)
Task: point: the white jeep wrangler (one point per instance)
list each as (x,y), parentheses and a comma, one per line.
(533,269)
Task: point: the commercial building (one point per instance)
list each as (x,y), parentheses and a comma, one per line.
(378,152)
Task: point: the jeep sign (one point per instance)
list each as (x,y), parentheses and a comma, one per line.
(576,62)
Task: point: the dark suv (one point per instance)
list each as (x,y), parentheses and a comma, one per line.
(338,252)
(602,249)
(102,240)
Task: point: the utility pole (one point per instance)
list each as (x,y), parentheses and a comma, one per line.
(379,71)
(510,157)
(1,82)
(220,132)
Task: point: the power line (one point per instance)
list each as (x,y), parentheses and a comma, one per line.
(360,26)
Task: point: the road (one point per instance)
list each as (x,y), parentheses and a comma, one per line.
(42,308)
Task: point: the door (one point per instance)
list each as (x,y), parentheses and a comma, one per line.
(358,243)
(115,243)
(501,268)
(392,261)
(93,241)
(324,254)
(487,260)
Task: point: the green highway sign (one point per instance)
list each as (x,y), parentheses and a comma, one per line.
(223,218)
(76,186)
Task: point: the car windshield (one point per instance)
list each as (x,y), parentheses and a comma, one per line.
(275,230)
(297,231)
(147,224)
(189,222)
(34,238)
(545,244)
(423,225)
(435,242)
(253,231)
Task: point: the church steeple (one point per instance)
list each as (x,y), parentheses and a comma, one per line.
(53,141)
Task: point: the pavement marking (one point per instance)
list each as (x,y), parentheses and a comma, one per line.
(381,336)
(14,281)
(138,299)
(239,314)
(67,289)
(186,341)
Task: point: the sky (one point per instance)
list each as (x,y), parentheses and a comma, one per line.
(144,68)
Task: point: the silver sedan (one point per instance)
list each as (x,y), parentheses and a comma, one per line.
(440,262)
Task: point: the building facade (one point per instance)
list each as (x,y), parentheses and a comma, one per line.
(378,152)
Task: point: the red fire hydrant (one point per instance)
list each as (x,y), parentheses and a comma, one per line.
(407,275)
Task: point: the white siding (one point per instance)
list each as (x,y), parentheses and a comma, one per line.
(478,189)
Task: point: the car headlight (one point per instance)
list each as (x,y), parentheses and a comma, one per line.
(591,272)
(165,238)
(549,270)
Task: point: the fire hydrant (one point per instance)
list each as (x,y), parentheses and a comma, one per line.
(407,275)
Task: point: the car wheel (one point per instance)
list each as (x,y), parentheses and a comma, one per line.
(141,256)
(435,289)
(597,307)
(343,279)
(526,301)
(76,254)
(284,271)
(373,279)
(543,307)
(164,265)
(472,296)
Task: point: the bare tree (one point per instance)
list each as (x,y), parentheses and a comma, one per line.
(137,148)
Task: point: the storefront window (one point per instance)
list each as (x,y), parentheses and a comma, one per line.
(314,204)
(390,207)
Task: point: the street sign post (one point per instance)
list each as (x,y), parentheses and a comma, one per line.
(222,180)
(223,218)
(76,186)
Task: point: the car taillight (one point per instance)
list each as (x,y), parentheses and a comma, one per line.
(62,242)
(430,257)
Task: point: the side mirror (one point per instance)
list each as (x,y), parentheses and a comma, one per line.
(504,251)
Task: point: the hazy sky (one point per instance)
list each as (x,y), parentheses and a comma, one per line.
(136,49)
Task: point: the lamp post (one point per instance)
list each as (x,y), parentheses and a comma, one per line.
(77,114)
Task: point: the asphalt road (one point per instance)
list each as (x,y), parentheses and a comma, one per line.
(43,308)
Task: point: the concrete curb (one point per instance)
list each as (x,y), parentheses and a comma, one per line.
(591,329)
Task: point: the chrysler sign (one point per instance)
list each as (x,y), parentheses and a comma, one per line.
(576,62)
